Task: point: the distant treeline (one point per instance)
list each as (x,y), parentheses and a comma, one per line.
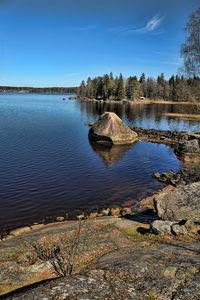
(177,88)
(51,90)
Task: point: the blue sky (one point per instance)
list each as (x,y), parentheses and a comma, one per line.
(61,42)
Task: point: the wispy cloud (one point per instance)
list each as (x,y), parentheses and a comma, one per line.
(150,27)
(120,29)
(161,62)
(165,53)
(172,58)
(84,28)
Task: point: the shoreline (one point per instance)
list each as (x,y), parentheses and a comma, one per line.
(138,101)
(142,206)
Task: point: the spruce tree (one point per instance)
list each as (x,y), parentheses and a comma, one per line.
(89,89)
(82,89)
(133,90)
(142,78)
(106,87)
(120,92)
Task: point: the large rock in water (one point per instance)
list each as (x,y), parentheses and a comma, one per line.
(180,204)
(110,129)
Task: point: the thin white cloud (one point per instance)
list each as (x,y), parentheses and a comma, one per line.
(150,27)
(175,59)
(119,29)
(153,23)
(165,53)
(84,28)
(177,62)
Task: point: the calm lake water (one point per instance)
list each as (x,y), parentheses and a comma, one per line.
(48,167)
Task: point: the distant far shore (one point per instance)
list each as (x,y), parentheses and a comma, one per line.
(45,90)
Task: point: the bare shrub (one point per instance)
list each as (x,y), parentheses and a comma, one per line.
(60,250)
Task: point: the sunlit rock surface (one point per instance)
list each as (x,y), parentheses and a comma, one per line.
(110,129)
(180,204)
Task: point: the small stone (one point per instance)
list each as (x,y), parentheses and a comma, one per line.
(168,175)
(105,212)
(170,272)
(156,175)
(99,215)
(93,215)
(60,219)
(80,217)
(115,211)
(161,227)
(126,211)
(178,229)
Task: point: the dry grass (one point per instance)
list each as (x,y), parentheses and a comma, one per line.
(68,253)
(153,240)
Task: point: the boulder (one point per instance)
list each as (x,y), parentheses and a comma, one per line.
(161,227)
(179,229)
(191,146)
(167,227)
(180,204)
(110,129)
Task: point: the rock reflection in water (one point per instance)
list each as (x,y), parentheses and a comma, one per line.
(110,154)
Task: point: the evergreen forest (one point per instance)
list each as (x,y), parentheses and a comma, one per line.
(108,87)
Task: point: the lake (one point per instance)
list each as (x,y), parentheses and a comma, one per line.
(48,167)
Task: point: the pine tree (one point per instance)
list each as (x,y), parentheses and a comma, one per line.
(161,80)
(106,87)
(95,87)
(120,92)
(133,90)
(100,91)
(111,76)
(82,89)
(151,88)
(142,78)
(89,89)
(173,91)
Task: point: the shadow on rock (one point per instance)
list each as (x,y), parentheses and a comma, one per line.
(143,230)
(145,217)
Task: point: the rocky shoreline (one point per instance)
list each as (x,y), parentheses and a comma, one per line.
(142,255)
(167,137)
